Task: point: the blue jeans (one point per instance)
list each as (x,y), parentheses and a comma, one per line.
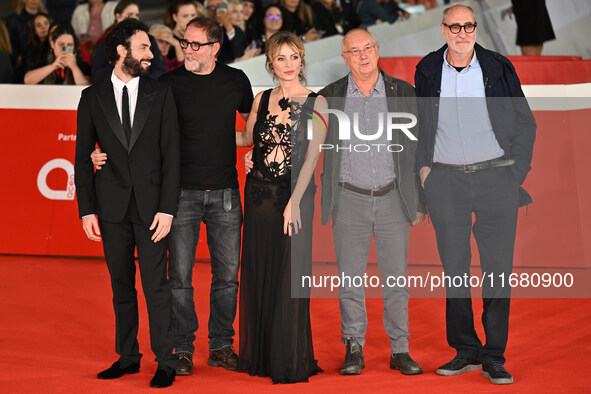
(223,225)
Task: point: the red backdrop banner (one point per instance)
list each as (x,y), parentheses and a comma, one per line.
(40,214)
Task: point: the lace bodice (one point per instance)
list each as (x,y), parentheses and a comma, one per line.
(278,144)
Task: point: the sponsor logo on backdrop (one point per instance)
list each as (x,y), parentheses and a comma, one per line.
(52,194)
(66,137)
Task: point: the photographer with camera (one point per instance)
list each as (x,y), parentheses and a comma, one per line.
(63,65)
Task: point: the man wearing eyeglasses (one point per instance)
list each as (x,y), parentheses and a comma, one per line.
(474,151)
(370,193)
(208,94)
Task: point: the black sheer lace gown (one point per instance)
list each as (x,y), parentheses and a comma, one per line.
(275,331)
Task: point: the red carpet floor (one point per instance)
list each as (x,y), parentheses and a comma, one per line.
(57,332)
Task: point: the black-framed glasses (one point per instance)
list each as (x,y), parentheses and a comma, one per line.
(194,45)
(273,16)
(357,52)
(456,29)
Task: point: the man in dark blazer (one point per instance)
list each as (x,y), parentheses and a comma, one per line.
(474,152)
(371,193)
(133,119)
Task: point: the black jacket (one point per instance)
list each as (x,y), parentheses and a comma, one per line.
(512,120)
(149,164)
(234,48)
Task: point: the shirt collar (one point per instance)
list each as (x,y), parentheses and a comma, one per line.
(473,63)
(118,84)
(379,88)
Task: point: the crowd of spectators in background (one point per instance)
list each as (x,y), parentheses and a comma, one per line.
(29,52)
(60,41)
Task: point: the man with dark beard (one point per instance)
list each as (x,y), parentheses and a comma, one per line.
(134,120)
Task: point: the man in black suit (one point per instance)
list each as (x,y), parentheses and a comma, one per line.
(134,121)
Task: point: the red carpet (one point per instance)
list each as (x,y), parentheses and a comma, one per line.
(57,332)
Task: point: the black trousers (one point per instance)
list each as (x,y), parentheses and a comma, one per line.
(119,242)
(452,200)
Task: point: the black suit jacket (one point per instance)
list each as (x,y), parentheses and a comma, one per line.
(149,164)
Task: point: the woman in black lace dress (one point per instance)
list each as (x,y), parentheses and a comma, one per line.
(275,332)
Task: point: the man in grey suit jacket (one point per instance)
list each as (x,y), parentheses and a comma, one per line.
(371,192)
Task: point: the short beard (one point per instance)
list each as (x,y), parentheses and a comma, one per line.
(200,67)
(133,67)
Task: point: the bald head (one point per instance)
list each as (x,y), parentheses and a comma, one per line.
(354,35)
(456,7)
(361,54)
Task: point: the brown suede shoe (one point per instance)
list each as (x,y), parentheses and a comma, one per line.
(224,357)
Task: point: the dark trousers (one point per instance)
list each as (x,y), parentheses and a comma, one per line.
(119,242)
(492,196)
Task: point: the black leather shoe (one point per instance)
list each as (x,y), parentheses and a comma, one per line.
(458,366)
(185,365)
(354,362)
(405,364)
(115,371)
(496,373)
(162,378)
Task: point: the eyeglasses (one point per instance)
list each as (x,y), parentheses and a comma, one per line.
(194,45)
(357,52)
(456,29)
(273,16)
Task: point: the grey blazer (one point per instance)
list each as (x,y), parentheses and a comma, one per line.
(404,162)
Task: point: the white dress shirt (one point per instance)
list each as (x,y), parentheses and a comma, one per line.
(132,91)
(132,88)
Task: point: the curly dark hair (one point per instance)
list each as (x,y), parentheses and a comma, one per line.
(121,35)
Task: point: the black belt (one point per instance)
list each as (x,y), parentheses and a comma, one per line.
(483,165)
(368,192)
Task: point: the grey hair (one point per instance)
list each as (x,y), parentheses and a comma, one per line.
(445,11)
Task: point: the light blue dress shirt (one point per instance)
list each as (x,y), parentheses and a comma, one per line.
(464,131)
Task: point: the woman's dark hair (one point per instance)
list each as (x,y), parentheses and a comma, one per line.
(123,4)
(303,11)
(173,8)
(262,16)
(254,24)
(121,35)
(34,41)
(65,28)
